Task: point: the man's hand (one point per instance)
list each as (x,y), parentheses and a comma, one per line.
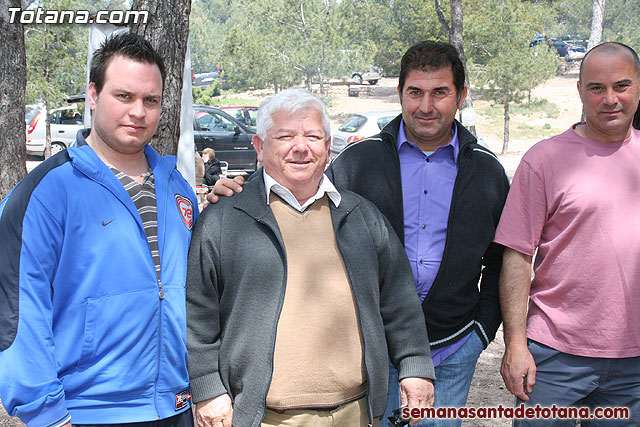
(216,412)
(518,370)
(225,187)
(416,393)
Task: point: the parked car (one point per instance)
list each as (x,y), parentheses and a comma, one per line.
(204,79)
(245,115)
(230,138)
(372,76)
(360,126)
(65,124)
(575,52)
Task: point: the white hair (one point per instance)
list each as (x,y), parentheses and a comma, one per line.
(290,101)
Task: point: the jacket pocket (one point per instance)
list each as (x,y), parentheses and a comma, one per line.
(119,346)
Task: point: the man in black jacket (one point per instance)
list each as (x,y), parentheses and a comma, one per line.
(443,193)
(448,238)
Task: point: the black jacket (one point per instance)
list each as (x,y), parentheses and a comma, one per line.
(454,306)
(212,172)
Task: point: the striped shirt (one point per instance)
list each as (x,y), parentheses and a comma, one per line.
(144,197)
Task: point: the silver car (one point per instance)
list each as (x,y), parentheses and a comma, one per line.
(360,126)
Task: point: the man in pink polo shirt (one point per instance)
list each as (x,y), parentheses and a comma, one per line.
(575,199)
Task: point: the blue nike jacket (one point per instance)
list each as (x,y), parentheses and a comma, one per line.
(85,332)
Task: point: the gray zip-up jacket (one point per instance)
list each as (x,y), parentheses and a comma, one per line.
(235,289)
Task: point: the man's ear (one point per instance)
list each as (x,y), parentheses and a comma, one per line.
(258,144)
(463,96)
(92,96)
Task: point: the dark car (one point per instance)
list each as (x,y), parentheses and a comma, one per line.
(231,139)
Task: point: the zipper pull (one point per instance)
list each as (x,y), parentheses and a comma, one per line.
(161,293)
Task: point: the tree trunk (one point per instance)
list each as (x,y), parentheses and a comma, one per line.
(309,80)
(597,21)
(13,84)
(167,29)
(505,140)
(455,38)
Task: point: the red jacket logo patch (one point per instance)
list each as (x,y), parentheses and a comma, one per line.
(185,208)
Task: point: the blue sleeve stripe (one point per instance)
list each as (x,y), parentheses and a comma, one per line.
(11,220)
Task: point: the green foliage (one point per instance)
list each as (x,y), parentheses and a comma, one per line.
(504,64)
(209,22)
(394,26)
(56,57)
(285,42)
(621,22)
(206,95)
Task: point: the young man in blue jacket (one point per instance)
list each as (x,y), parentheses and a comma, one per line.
(94,255)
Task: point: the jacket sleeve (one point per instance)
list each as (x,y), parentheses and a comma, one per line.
(203,311)
(212,173)
(29,382)
(404,324)
(489,316)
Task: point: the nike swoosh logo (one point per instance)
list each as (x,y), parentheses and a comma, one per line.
(107,222)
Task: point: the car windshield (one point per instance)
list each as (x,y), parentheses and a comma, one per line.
(353,124)
(382,122)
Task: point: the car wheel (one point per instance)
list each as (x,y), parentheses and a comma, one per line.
(372,82)
(357,78)
(57,147)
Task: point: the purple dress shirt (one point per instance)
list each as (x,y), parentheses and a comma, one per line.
(427,188)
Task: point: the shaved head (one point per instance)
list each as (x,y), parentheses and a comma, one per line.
(613,49)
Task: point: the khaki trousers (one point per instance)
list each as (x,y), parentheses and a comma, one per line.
(352,414)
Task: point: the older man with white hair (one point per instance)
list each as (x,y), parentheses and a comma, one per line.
(296,290)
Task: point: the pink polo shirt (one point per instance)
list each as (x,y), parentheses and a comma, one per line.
(578,202)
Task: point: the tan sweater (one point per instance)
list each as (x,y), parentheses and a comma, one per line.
(318,358)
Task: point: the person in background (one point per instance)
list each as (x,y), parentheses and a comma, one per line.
(199,161)
(212,167)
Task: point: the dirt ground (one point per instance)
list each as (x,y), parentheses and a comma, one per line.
(487,388)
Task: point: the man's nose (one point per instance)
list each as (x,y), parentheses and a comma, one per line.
(137,109)
(300,143)
(610,97)
(426,103)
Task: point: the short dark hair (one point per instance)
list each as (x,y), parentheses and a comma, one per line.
(128,45)
(612,48)
(431,56)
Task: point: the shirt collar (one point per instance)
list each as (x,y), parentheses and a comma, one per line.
(453,142)
(325,187)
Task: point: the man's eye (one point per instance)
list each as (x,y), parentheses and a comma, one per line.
(152,101)
(123,96)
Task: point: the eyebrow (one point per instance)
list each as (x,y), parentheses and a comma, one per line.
(128,92)
(624,81)
(435,88)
